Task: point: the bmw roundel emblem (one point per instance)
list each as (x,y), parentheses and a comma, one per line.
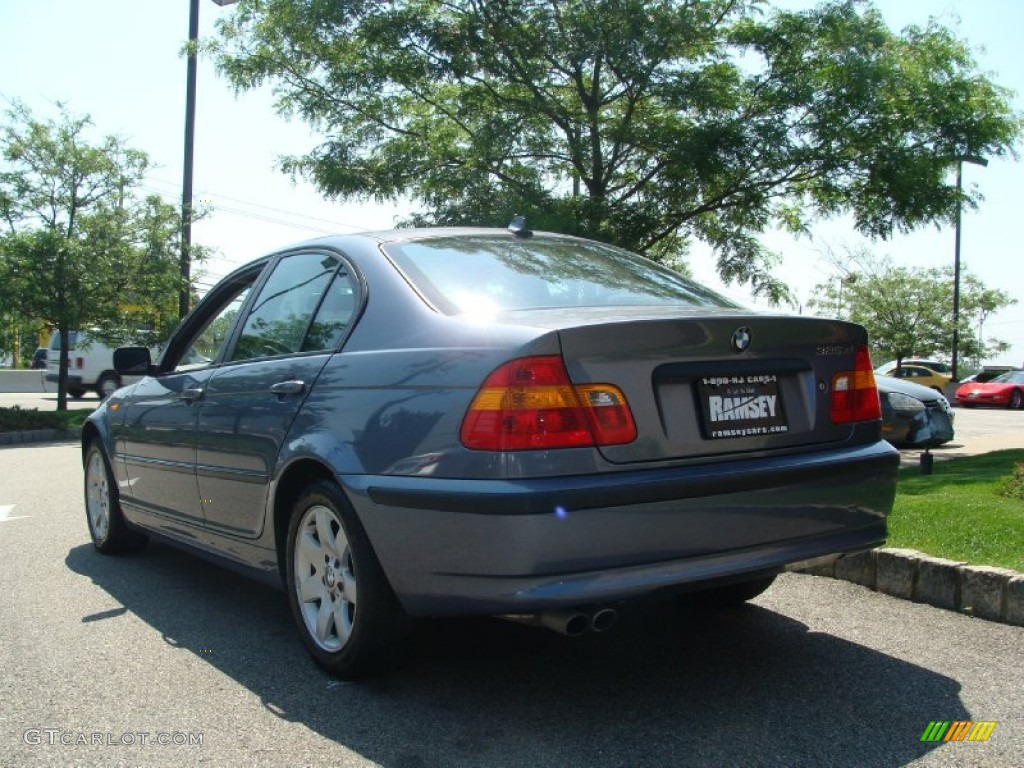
(741,339)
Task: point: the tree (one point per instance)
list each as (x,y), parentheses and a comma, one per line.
(644,123)
(907,311)
(81,250)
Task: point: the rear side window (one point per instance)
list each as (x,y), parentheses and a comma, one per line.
(465,274)
(334,315)
(286,305)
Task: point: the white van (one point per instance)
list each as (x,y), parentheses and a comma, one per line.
(90,365)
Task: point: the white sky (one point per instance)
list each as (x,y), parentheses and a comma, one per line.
(119,61)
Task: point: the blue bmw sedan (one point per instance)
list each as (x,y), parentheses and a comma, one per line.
(439,422)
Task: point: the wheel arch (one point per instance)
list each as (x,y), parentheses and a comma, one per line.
(90,432)
(293,480)
(1017,392)
(108,375)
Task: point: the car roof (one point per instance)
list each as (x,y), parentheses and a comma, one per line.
(405,234)
(342,242)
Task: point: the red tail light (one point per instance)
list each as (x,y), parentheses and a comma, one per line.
(530,404)
(854,393)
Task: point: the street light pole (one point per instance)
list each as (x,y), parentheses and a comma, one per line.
(974,160)
(186,183)
(184,296)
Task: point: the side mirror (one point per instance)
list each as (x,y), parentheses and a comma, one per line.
(132,361)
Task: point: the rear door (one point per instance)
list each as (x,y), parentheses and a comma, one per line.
(295,323)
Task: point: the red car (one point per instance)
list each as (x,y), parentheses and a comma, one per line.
(1006,390)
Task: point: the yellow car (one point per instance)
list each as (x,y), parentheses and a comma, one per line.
(918,374)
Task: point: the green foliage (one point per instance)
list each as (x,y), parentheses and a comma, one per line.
(1013,487)
(81,249)
(958,513)
(641,123)
(908,311)
(17,419)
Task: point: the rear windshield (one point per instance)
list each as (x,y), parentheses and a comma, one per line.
(485,273)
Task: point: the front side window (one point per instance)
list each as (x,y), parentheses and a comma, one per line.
(207,345)
(285,307)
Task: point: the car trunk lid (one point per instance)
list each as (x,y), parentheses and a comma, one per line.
(713,382)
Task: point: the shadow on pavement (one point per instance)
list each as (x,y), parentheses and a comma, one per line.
(668,686)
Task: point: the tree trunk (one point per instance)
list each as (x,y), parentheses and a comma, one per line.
(62,368)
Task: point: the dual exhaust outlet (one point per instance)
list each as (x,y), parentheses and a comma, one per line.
(568,622)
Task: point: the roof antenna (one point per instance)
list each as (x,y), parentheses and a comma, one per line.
(518,227)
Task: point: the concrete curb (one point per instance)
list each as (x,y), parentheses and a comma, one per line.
(996,594)
(29,436)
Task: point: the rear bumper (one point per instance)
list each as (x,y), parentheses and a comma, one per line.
(483,547)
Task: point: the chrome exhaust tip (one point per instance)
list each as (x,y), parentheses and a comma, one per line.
(565,622)
(602,619)
(568,623)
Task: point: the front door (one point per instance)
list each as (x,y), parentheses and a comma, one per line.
(156,436)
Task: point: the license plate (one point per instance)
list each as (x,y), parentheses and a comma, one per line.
(741,405)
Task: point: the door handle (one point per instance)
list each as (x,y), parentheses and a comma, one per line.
(192,393)
(290,387)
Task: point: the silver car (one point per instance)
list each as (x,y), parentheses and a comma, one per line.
(914,416)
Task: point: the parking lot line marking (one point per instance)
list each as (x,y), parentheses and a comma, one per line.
(5,513)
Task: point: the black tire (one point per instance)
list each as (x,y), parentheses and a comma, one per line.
(108,384)
(372,626)
(76,393)
(731,594)
(1015,401)
(107,527)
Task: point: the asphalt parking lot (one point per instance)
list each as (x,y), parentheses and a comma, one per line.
(103,657)
(163,659)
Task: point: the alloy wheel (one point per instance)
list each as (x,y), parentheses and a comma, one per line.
(325,578)
(97,496)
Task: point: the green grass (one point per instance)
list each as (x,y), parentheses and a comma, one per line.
(958,512)
(16,419)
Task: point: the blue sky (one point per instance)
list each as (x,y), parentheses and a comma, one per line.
(120,62)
